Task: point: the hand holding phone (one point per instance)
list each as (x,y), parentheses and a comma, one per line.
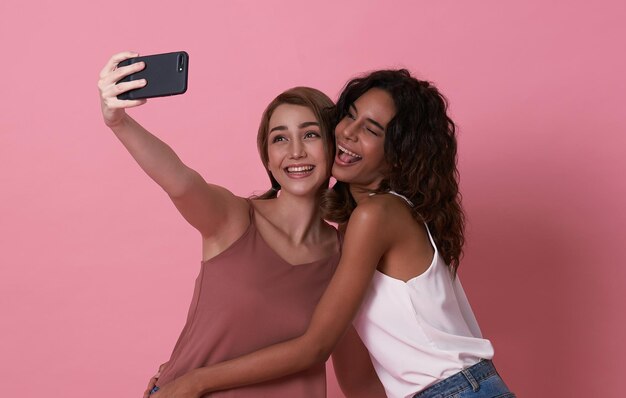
(165,74)
(114,109)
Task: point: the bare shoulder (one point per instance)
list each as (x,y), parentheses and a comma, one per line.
(372,208)
(237,217)
(388,217)
(235,209)
(207,207)
(381,208)
(261,207)
(264,212)
(370,219)
(242,208)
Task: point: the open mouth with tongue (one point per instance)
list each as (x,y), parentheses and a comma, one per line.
(346,156)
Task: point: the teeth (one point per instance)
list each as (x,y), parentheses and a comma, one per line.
(342,149)
(297,169)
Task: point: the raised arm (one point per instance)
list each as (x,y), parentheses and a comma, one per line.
(206,207)
(365,243)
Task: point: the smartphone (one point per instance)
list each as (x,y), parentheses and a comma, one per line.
(165,74)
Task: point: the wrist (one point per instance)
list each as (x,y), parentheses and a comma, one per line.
(198,381)
(118,122)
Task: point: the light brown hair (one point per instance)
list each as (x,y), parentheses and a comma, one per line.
(324,110)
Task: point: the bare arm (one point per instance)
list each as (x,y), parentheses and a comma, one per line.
(354,370)
(206,207)
(366,241)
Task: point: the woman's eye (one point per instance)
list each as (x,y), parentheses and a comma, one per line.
(372,131)
(349,115)
(278,138)
(312,134)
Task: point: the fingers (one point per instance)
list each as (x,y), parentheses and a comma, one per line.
(111,73)
(151,385)
(161,368)
(110,90)
(134,103)
(112,107)
(113,76)
(123,71)
(116,59)
(119,88)
(153,380)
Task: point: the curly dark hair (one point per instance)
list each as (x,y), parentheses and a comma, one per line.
(421,150)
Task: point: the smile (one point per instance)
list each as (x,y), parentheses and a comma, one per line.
(299,169)
(347,156)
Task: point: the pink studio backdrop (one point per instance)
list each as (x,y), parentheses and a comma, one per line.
(97,267)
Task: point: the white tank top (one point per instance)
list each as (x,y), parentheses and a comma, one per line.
(421,331)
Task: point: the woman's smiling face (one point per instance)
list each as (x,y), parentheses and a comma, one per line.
(360,137)
(296,150)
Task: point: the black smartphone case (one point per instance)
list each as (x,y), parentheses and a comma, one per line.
(165,74)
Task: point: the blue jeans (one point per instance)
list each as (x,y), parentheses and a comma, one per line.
(478,381)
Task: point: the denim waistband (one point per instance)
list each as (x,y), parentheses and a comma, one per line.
(467,378)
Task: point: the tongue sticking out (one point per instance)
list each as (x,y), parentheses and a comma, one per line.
(346,158)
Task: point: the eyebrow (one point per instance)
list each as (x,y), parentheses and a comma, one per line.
(301,126)
(374,122)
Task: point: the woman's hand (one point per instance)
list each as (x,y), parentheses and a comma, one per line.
(153,381)
(181,387)
(112,108)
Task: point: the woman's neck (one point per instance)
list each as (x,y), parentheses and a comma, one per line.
(299,217)
(361,192)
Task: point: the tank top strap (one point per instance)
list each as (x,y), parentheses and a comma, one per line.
(407,200)
(430,236)
(250,212)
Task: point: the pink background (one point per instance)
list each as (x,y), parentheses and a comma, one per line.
(97,266)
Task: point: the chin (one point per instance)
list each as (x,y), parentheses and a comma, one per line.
(303,191)
(343,176)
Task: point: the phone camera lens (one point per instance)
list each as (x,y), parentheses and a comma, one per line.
(181,61)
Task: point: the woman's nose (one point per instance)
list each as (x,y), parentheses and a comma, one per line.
(348,130)
(297,150)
